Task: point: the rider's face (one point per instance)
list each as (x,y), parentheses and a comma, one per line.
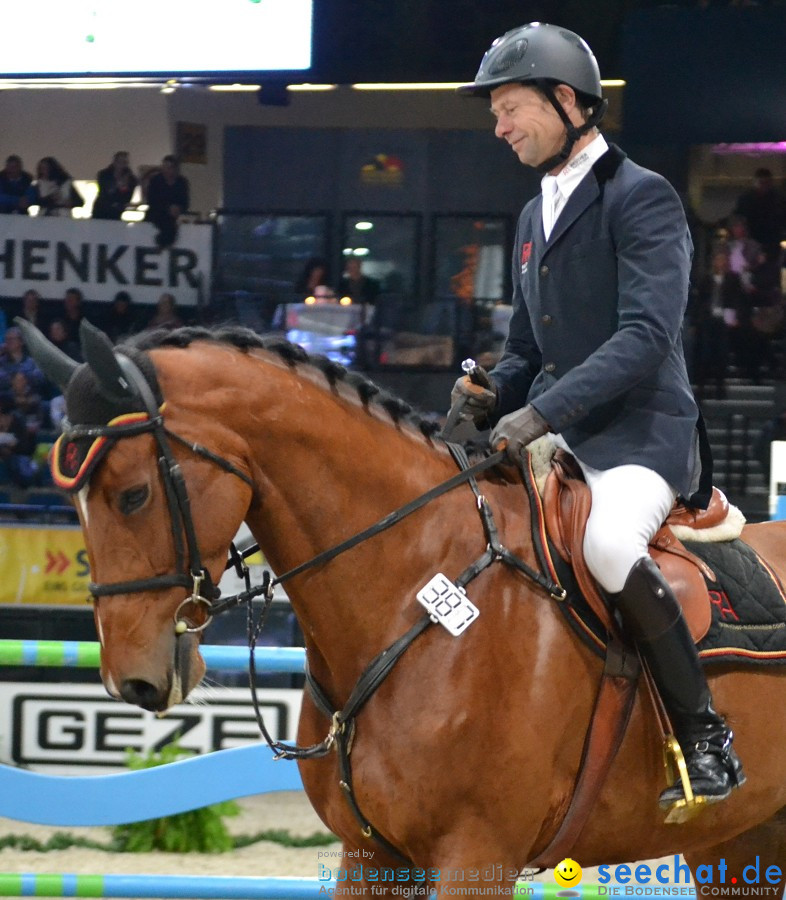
(528,122)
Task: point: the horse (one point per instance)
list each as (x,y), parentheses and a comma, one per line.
(464,758)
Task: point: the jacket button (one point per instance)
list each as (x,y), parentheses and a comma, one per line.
(550,367)
(547,320)
(544,270)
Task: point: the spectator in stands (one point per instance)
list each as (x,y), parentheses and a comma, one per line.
(122,320)
(116,185)
(167,194)
(166,314)
(314,273)
(54,189)
(364,291)
(745,254)
(31,309)
(15,187)
(58,335)
(764,209)
(72,312)
(14,358)
(14,442)
(28,403)
(719,305)
(361,288)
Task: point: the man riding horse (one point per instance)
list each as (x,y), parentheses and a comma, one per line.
(600,271)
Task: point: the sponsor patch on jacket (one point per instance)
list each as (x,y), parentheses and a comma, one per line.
(526,250)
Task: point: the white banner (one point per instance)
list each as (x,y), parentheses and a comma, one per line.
(76,729)
(101,258)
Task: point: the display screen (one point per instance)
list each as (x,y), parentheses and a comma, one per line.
(157,37)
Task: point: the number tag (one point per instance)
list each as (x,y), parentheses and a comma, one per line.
(447,604)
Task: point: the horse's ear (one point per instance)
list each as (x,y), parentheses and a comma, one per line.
(99,354)
(56,365)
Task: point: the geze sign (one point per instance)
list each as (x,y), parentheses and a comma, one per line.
(101,258)
(77,728)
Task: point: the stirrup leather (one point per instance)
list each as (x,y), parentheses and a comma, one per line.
(690,805)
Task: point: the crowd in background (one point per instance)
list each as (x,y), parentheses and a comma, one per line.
(737,302)
(164,190)
(32,408)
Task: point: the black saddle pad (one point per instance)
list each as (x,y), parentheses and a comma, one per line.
(748,607)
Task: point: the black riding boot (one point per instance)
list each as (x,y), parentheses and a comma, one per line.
(653,616)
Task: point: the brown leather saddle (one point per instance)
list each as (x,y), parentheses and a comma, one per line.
(566,506)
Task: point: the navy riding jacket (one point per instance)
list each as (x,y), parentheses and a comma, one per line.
(595,338)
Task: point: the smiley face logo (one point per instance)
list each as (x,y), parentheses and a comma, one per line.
(568,873)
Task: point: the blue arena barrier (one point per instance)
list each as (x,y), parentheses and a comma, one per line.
(68,800)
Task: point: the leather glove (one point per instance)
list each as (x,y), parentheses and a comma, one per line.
(518,429)
(480,399)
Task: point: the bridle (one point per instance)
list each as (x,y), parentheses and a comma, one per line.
(190,572)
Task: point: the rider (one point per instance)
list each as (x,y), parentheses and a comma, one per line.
(600,271)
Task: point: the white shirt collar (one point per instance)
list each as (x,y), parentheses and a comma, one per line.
(568,179)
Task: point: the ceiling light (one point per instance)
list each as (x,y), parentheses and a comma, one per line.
(311,87)
(408,86)
(234,87)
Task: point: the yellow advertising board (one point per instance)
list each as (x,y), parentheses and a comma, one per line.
(43,565)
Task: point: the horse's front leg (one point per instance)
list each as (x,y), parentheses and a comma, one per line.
(467,868)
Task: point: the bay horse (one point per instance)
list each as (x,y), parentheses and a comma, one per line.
(466,755)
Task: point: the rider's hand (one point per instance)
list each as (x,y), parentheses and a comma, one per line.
(518,429)
(480,400)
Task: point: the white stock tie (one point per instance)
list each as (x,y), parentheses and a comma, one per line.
(552,204)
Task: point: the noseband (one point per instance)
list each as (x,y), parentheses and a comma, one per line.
(190,574)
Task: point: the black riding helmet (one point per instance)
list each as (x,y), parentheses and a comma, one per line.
(544,55)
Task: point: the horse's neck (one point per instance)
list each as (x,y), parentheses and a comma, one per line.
(328,469)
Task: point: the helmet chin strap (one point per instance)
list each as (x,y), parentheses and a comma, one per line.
(572,132)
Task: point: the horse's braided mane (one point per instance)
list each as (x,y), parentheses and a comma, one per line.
(245,339)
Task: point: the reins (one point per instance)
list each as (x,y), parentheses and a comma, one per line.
(385,522)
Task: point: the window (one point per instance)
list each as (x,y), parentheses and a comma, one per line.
(471,284)
(260,259)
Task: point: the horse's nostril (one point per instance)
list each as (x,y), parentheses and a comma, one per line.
(143,693)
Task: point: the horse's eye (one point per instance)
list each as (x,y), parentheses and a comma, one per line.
(133,499)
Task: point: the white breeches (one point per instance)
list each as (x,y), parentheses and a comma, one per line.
(629,504)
